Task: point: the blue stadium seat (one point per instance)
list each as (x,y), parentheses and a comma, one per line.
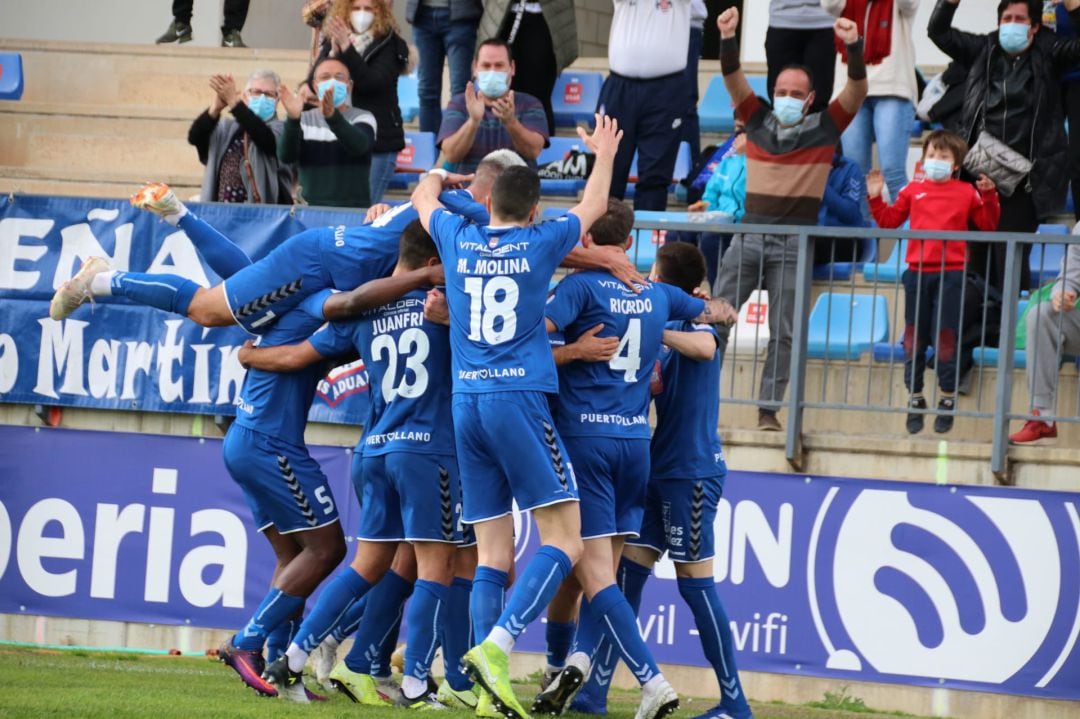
(891,269)
(1045,261)
(11,76)
(575,96)
(550,213)
(559,148)
(843,270)
(715,110)
(843,326)
(893,352)
(418,157)
(408,97)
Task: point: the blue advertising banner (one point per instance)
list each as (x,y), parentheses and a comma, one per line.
(961,587)
(116,355)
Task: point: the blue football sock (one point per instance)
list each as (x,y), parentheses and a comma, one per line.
(714,630)
(172,293)
(338,596)
(560,637)
(425,617)
(456,633)
(279,639)
(351,621)
(610,608)
(224,258)
(383,613)
(276,607)
(486,603)
(381,666)
(535,589)
(631,579)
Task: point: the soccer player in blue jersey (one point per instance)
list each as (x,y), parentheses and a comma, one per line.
(603,416)
(411,489)
(259,293)
(687,479)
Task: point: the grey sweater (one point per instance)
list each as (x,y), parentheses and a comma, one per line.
(799,15)
(1070,267)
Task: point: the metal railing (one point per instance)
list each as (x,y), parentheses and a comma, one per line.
(846,290)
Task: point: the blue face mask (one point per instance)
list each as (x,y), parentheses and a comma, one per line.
(340,89)
(937,170)
(1013,37)
(493,83)
(788,110)
(263,106)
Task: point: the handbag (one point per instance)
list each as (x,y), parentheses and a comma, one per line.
(991,157)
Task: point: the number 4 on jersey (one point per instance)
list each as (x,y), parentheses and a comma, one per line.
(627,357)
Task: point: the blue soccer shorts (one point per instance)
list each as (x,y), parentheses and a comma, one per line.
(410,497)
(679,518)
(508,450)
(282,484)
(612,475)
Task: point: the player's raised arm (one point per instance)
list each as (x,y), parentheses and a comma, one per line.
(698,346)
(425,198)
(604,143)
(734,79)
(282,358)
(375,293)
(718,311)
(612,259)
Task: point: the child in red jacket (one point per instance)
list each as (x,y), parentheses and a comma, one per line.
(934,279)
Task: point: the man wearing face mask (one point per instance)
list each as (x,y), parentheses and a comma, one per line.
(490,116)
(1013,93)
(330,144)
(789,154)
(240,153)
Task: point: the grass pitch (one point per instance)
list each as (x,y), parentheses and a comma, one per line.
(37,683)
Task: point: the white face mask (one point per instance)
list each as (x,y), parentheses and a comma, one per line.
(361,19)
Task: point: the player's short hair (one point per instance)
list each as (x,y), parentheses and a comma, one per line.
(681,264)
(946,140)
(515,193)
(416,247)
(614,226)
(494,163)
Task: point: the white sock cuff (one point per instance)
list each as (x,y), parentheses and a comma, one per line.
(101,283)
(175,219)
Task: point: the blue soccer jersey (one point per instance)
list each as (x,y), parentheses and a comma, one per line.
(611,399)
(275,403)
(496,288)
(685,444)
(408,363)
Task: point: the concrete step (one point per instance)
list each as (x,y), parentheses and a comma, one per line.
(88,181)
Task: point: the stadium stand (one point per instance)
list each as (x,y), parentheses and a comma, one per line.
(845,326)
(11,76)
(575,96)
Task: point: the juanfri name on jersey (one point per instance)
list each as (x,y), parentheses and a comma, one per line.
(616,419)
(401,320)
(486,266)
(377,440)
(491,373)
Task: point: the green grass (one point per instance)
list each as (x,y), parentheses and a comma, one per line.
(112,686)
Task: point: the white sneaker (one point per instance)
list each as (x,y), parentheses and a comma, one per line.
(658,702)
(76,290)
(324,659)
(387,686)
(157,197)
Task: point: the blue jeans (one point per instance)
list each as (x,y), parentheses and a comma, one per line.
(888,120)
(436,37)
(383,165)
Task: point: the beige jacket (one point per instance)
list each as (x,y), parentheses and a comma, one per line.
(559,15)
(895,76)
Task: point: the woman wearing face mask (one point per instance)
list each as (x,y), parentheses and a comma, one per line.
(364,35)
(1013,94)
(239,152)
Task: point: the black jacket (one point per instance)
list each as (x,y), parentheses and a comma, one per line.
(375,75)
(1051,55)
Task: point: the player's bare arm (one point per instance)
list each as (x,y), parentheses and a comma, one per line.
(586,348)
(604,143)
(611,259)
(425,197)
(375,293)
(718,311)
(698,346)
(282,358)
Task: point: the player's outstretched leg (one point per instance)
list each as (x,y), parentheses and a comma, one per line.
(714,630)
(456,688)
(324,658)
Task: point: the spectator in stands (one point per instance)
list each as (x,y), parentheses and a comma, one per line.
(1053,329)
(889,111)
(725,193)
(789,156)
(691,125)
(442,29)
(801,33)
(490,116)
(240,153)
(545,32)
(646,92)
(1071,89)
(180,28)
(364,35)
(934,279)
(1013,97)
(331,145)
(841,206)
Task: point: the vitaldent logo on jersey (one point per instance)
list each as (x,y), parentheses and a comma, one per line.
(954,586)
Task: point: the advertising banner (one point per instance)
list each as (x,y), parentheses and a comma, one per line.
(117,355)
(962,587)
